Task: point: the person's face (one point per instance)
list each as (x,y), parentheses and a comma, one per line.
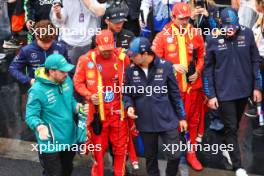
(139,59)
(115,27)
(106,53)
(45,46)
(58,76)
(259,7)
(181,22)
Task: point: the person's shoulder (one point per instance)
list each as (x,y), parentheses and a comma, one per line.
(245,29)
(131,67)
(85,57)
(36,88)
(29,47)
(127,33)
(163,63)
(68,81)
(59,45)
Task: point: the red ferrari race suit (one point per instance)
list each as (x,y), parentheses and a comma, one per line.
(104,76)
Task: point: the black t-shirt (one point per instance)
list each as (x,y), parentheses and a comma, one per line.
(223,2)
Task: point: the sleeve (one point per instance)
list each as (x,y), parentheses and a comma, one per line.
(29,10)
(145,8)
(255,60)
(16,68)
(79,79)
(174,94)
(127,96)
(208,74)
(33,109)
(73,100)
(158,46)
(96,8)
(200,55)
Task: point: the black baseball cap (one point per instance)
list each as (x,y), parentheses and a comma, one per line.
(117,13)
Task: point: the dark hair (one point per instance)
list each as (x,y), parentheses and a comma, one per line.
(260,2)
(45,31)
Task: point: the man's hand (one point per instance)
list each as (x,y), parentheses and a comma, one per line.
(180,68)
(183,125)
(257,96)
(43,132)
(204,12)
(213,103)
(131,113)
(30,24)
(95,99)
(32,81)
(83,109)
(193,77)
(194,13)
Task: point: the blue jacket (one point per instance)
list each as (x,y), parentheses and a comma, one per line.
(232,66)
(30,57)
(156,98)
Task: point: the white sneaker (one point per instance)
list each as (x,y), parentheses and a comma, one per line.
(135,165)
(2,56)
(199,139)
(241,172)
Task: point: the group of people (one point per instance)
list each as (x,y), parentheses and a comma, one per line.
(186,75)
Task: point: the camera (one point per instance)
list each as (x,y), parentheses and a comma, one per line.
(200,3)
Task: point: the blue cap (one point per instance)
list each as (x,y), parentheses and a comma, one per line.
(139,45)
(229,18)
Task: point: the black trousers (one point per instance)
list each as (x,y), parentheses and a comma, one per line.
(57,164)
(150,142)
(230,114)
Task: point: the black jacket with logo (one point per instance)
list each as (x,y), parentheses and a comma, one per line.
(122,39)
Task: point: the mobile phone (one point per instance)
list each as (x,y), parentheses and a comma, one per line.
(200,3)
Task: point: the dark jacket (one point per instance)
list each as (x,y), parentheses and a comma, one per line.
(37,10)
(30,57)
(159,105)
(232,66)
(122,39)
(134,8)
